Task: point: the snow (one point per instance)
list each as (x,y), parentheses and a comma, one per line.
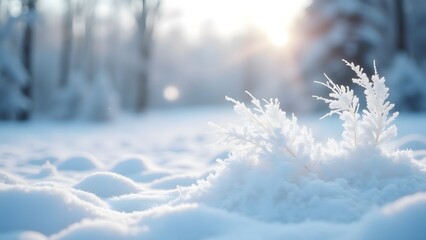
(400,220)
(10,179)
(129,166)
(155,176)
(79,163)
(117,185)
(100,229)
(42,209)
(24,235)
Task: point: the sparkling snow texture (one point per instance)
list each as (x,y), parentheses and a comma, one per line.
(274,178)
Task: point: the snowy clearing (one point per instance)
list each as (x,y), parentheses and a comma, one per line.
(160,176)
(129,191)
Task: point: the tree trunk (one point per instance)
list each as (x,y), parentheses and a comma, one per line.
(145,29)
(89,52)
(67,38)
(142,91)
(401,44)
(27,51)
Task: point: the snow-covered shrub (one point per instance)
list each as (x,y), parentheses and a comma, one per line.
(93,101)
(364,154)
(330,30)
(277,171)
(407,80)
(71,97)
(101,102)
(13,77)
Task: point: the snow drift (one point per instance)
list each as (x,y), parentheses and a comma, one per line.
(278,172)
(277,182)
(43,209)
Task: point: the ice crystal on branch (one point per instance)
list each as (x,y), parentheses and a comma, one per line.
(266,129)
(375,126)
(343,102)
(275,163)
(377,121)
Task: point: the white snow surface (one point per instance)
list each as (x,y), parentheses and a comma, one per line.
(155,176)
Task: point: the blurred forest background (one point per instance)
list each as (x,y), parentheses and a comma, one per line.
(97,59)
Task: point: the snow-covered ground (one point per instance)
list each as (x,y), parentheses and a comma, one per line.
(138,178)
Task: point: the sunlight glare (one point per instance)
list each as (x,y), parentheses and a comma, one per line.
(276,34)
(229,18)
(171,93)
(273,17)
(103,10)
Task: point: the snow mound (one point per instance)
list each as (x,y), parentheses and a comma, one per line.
(108,184)
(139,169)
(150,176)
(46,170)
(171,182)
(10,179)
(371,168)
(23,236)
(43,160)
(183,222)
(96,229)
(403,219)
(90,198)
(276,170)
(82,195)
(141,202)
(190,222)
(42,209)
(130,166)
(80,162)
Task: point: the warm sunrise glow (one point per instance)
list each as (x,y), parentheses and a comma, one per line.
(273,17)
(228,18)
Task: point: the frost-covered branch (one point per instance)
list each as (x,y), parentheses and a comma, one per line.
(343,102)
(377,121)
(266,128)
(375,127)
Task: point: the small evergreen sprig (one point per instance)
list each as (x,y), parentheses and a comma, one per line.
(377,121)
(266,128)
(375,126)
(345,103)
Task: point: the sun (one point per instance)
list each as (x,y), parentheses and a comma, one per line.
(274,17)
(231,17)
(276,32)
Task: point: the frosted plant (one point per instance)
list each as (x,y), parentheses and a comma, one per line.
(266,129)
(275,164)
(377,124)
(375,127)
(343,102)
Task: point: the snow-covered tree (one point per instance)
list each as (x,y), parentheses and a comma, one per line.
(146,13)
(29,14)
(67,42)
(100,102)
(408,83)
(331,30)
(13,77)
(415,29)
